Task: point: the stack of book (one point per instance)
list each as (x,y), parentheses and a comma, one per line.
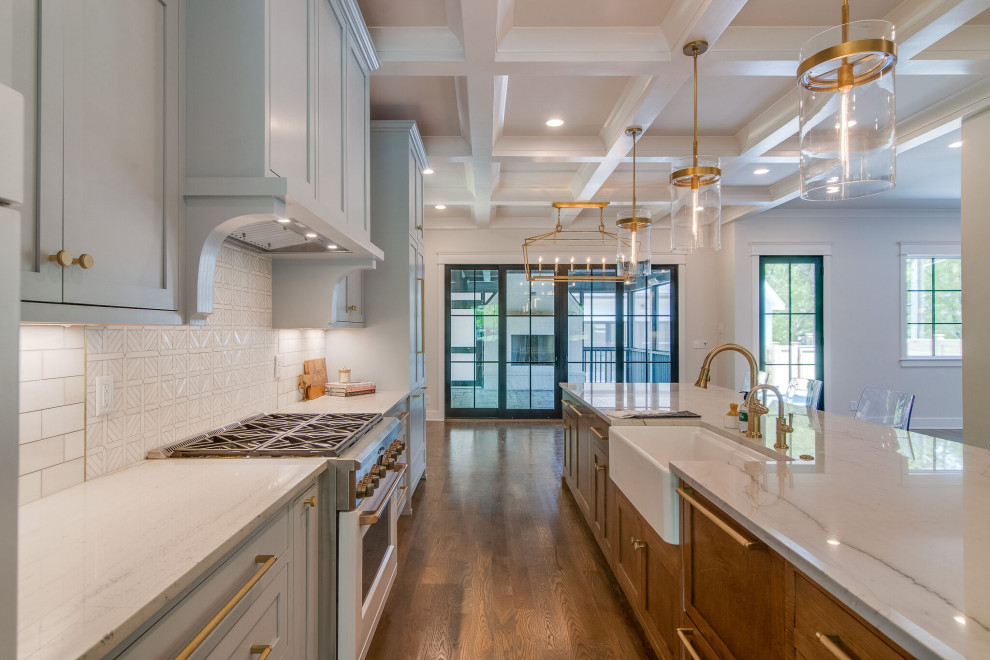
(350,389)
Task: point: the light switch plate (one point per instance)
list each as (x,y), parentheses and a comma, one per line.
(104,394)
(700,343)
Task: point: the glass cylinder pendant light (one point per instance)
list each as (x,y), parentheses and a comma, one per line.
(846,82)
(632,229)
(696,188)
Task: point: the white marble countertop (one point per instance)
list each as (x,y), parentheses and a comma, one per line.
(894,524)
(97,560)
(379,402)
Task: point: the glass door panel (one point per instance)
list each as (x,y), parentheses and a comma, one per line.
(648,349)
(591,332)
(472,339)
(531,344)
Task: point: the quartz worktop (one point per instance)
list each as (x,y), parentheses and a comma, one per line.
(379,402)
(892,523)
(97,560)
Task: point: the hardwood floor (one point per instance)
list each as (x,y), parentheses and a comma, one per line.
(496,560)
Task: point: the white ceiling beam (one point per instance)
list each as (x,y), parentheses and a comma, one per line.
(405,44)
(583,44)
(922,23)
(447,149)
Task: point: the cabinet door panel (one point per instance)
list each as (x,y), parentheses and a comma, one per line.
(289,80)
(628,549)
(37,46)
(305,576)
(329,129)
(419,319)
(599,495)
(120,153)
(662,595)
(356,145)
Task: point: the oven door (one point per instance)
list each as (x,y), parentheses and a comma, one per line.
(367,566)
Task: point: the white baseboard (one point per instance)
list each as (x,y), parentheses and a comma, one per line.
(936,422)
(434,416)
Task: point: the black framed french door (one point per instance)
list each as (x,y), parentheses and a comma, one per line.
(509,342)
(792,343)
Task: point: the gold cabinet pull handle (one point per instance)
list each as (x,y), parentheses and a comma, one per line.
(63,258)
(352,308)
(829,643)
(636,543)
(598,434)
(372,518)
(85,261)
(684,634)
(265,651)
(573,409)
(310,501)
(599,467)
(266,561)
(721,524)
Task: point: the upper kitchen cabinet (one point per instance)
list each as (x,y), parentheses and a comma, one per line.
(277,125)
(100,223)
(390,350)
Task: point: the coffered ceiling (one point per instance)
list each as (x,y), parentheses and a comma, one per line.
(481,77)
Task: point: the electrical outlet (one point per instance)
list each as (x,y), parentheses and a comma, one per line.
(104,394)
(700,343)
(853,405)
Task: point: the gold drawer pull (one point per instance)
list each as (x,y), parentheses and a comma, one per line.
(372,518)
(599,467)
(598,434)
(636,543)
(310,501)
(829,643)
(266,561)
(687,494)
(684,634)
(265,651)
(573,409)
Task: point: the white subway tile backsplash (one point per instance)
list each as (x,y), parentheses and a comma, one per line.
(40,454)
(29,426)
(75,389)
(30,367)
(29,487)
(63,362)
(40,394)
(74,336)
(59,477)
(38,337)
(74,445)
(61,420)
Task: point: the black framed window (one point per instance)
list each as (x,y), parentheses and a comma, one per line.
(791,319)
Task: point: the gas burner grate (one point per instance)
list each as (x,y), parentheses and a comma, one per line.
(279,434)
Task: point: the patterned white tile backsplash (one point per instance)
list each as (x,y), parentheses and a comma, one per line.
(170,382)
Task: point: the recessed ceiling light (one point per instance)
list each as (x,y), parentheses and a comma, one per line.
(955,145)
(834,542)
(761,170)
(440,207)
(960,619)
(310,235)
(428,170)
(331,247)
(832,189)
(284,221)
(554,123)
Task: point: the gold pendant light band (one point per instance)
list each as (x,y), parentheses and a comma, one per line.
(881,53)
(705,176)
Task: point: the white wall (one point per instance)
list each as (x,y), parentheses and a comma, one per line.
(976,276)
(862,306)
(701,295)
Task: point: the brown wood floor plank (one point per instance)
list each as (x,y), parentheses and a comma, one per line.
(496,560)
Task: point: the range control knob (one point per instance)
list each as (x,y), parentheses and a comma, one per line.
(375,480)
(390,463)
(366,488)
(378,471)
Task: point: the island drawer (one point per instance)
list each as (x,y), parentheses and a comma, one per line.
(824,629)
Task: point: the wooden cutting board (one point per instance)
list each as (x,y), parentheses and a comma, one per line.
(317,372)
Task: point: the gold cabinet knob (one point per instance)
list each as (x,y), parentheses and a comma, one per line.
(310,501)
(85,261)
(419,227)
(63,258)
(599,467)
(352,308)
(637,544)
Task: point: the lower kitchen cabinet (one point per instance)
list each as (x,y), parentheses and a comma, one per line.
(648,570)
(264,594)
(570,417)
(733,583)
(601,496)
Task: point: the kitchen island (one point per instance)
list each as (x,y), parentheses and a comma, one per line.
(892,524)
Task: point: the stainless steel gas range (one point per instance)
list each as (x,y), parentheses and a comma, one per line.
(367,486)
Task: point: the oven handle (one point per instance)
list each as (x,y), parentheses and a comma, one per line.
(372,518)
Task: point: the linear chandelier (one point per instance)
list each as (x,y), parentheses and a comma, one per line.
(571,255)
(847,118)
(696,188)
